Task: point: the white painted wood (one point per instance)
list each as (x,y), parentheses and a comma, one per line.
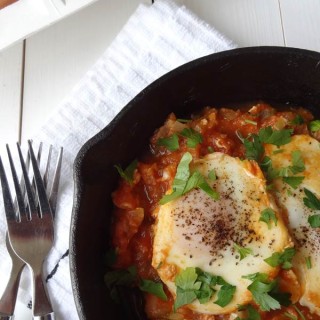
(10,89)
(58,57)
(246,22)
(301,23)
(25,17)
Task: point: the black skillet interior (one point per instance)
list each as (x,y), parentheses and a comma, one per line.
(272,74)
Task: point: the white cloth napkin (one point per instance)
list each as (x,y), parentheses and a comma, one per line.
(155,40)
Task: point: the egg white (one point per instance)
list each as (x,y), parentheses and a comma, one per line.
(307,239)
(197,231)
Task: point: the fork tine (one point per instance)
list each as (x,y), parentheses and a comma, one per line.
(55,183)
(19,195)
(46,173)
(33,184)
(7,199)
(31,202)
(22,185)
(43,200)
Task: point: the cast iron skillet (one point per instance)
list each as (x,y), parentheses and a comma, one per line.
(273,74)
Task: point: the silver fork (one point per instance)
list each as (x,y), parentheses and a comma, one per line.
(31,235)
(9,296)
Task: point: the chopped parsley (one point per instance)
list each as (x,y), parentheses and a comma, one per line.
(184,120)
(286,173)
(184,181)
(244,252)
(268,215)
(119,278)
(128,173)
(299,312)
(254,143)
(254,148)
(250,122)
(276,137)
(212,175)
(265,292)
(127,278)
(156,288)
(293,182)
(290,316)
(193,137)
(283,259)
(314,125)
(277,151)
(314,220)
(312,202)
(297,120)
(210,149)
(252,313)
(297,162)
(194,284)
(308,262)
(171,142)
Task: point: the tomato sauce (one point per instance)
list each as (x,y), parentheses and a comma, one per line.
(135,203)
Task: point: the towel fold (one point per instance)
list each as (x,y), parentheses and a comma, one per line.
(155,40)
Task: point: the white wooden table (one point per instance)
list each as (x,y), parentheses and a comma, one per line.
(36,74)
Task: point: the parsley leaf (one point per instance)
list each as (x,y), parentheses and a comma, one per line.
(186,279)
(225,295)
(297,162)
(127,174)
(254,148)
(297,120)
(242,251)
(193,137)
(314,125)
(193,283)
(186,287)
(314,220)
(115,278)
(254,144)
(267,215)
(308,262)
(265,292)
(290,316)
(212,175)
(128,277)
(311,201)
(180,180)
(276,137)
(208,190)
(155,288)
(283,259)
(122,277)
(183,182)
(171,142)
(252,313)
(293,182)
(260,293)
(183,297)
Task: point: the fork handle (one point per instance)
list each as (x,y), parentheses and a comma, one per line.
(9,297)
(41,303)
